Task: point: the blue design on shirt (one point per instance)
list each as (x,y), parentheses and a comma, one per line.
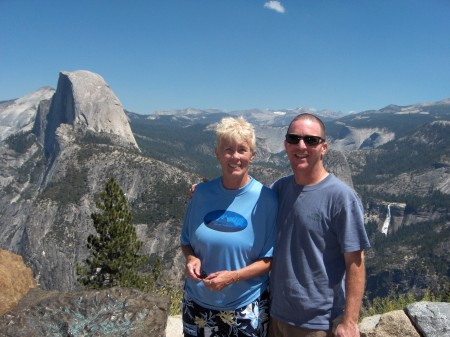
(225,221)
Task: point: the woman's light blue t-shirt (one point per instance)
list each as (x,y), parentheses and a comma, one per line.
(228,230)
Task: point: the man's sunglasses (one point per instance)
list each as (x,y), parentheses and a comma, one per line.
(309,140)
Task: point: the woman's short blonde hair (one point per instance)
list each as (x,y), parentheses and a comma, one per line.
(236,130)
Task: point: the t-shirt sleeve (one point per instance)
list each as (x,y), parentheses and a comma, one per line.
(352,234)
(271,208)
(184,237)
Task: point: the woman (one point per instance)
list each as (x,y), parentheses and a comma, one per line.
(227,239)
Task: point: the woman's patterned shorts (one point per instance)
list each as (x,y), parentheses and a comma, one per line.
(251,320)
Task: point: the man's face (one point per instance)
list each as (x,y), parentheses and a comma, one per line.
(305,158)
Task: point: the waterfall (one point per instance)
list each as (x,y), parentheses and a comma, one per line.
(386,223)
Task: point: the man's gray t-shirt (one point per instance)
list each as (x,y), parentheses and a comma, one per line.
(316,225)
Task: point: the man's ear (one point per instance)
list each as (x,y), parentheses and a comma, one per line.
(324,150)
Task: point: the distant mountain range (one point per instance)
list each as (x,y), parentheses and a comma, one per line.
(57,148)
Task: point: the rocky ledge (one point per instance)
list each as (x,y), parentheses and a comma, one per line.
(421,319)
(27,311)
(112,312)
(16,280)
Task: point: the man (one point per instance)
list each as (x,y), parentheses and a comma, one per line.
(318,272)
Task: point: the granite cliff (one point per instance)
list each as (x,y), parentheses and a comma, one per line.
(81,136)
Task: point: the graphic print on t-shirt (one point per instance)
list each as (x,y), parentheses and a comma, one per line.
(225,221)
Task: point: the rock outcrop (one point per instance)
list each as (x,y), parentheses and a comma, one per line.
(27,311)
(421,319)
(84,101)
(336,163)
(106,313)
(431,319)
(19,115)
(51,176)
(16,280)
(394,323)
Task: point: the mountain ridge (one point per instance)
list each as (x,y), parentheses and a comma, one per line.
(396,162)
(19,114)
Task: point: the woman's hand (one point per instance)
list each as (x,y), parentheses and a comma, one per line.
(192,269)
(193,266)
(221,279)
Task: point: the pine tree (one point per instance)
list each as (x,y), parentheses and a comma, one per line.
(115,258)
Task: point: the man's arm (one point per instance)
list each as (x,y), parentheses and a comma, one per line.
(355,279)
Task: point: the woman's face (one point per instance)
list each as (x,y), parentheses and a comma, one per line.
(235,158)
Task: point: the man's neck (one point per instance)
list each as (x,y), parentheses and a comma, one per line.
(306,179)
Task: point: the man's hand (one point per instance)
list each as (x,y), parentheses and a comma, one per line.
(347,330)
(193,186)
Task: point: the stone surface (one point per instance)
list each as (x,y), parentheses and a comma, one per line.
(84,101)
(174,326)
(16,279)
(369,323)
(112,312)
(18,115)
(432,319)
(394,323)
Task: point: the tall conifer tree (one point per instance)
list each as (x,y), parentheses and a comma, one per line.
(115,259)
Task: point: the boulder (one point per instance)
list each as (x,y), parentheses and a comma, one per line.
(174,326)
(16,279)
(432,319)
(394,323)
(112,312)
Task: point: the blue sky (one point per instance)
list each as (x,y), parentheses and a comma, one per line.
(342,55)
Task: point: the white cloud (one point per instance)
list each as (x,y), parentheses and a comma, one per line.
(274,5)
